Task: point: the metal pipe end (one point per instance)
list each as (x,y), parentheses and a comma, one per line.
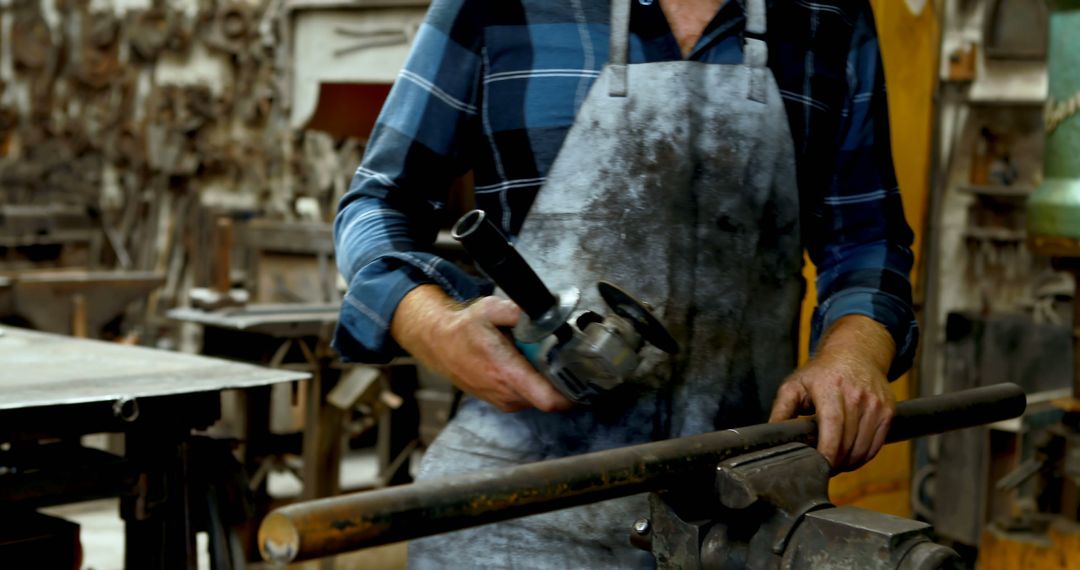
(279,540)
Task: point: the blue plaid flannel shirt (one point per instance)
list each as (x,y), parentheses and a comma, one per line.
(492,86)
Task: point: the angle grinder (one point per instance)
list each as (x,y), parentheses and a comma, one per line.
(582,352)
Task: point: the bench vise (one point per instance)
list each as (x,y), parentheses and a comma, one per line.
(771,509)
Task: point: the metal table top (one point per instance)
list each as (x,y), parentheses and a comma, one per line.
(41,369)
(284,320)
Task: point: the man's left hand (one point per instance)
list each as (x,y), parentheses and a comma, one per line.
(846,384)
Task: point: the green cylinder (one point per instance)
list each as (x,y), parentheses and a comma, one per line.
(1054,209)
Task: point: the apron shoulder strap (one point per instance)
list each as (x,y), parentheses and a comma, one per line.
(620,47)
(755,51)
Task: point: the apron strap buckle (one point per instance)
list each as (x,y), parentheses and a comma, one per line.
(757,55)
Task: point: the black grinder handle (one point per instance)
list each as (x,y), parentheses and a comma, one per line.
(494,254)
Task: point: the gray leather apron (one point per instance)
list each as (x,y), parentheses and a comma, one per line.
(677,182)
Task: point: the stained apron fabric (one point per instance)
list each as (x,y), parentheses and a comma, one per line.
(676,182)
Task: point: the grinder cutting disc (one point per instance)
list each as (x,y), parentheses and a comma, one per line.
(629,308)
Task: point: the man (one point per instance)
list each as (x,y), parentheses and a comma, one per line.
(694,177)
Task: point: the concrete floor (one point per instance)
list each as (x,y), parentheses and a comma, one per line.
(102,530)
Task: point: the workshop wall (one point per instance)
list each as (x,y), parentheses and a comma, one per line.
(155,116)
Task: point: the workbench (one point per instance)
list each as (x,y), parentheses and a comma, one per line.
(73,301)
(297,336)
(172,481)
(281,336)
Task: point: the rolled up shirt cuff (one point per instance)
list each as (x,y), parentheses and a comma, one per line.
(363,329)
(893,313)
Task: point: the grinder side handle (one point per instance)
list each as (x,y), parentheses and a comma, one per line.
(496,257)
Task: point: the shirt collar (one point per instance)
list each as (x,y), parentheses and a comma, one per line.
(650,23)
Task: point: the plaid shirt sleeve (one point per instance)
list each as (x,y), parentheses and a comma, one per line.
(858,237)
(389,217)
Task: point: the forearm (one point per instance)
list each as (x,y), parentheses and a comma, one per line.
(857,235)
(859,337)
(419,311)
(380,253)
(390,216)
(863,328)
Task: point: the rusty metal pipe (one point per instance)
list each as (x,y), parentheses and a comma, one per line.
(325,527)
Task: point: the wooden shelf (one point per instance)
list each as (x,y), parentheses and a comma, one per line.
(1027,102)
(1018,191)
(995,234)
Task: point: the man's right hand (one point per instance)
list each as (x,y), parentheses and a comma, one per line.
(464,344)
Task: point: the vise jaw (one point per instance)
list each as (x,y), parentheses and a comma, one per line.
(771,510)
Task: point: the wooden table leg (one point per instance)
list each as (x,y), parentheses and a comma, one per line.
(399,427)
(78,316)
(323,428)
